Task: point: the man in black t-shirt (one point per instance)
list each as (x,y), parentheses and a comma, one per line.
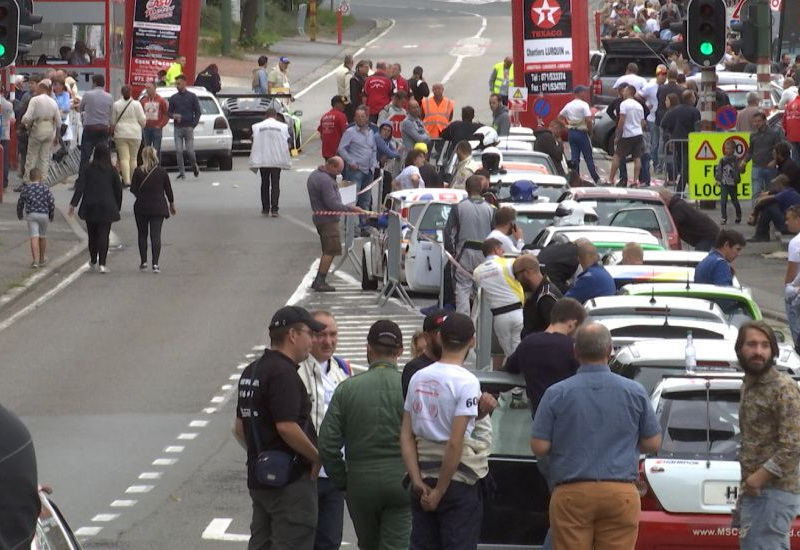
(559,262)
(542,296)
(433,347)
(545,358)
(461,130)
(19,497)
(274,414)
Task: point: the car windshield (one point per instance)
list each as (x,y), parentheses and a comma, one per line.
(433,222)
(650,375)
(526,157)
(696,426)
(738,98)
(511,424)
(606,208)
(208,106)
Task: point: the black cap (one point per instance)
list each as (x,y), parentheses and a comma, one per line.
(457,328)
(433,321)
(385,333)
(291,315)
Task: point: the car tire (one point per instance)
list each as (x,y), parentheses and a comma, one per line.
(226,163)
(367,283)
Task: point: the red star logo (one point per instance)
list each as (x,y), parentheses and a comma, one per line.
(546,14)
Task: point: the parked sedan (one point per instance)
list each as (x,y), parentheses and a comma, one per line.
(605,238)
(690,486)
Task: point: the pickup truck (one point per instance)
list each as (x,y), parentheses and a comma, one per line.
(608,65)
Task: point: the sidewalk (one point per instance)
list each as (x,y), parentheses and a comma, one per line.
(309,60)
(64,242)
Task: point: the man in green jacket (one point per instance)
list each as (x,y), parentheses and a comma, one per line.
(364,417)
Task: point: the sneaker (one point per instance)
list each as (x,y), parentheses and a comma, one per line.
(43,262)
(103,269)
(156,269)
(758,239)
(274,214)
(723,222)
(738,220)
(34,265)
(143,266)
(92,266)
(196,171)
(180,177)
(323,287)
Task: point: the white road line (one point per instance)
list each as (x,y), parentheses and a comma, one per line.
(302,289)
(71,278)
(216,530)
(174,449)
(150,475)
(199,423)
(311,86)
(234,377)
(164,462)
(123,503)
(301,224)
(105,518)
(87,531)
(218,399)
(226,387)
(187,436)
(460,58)
(210,410)
(139,489)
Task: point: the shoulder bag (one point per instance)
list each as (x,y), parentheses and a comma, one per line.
(111,129)
(272,468)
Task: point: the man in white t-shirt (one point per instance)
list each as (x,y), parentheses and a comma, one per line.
(270,154)
(792,278)
(629,137)
(577,116)
(650,95)
(507,231)
(445,445)
(631,78)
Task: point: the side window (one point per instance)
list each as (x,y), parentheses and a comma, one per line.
(433,222)
(594,63)
(208,106)
(642,218)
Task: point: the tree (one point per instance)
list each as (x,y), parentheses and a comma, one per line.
(249,28)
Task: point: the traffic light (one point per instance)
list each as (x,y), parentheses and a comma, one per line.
(752,22)
(9,22)
(27,19)
(705,31)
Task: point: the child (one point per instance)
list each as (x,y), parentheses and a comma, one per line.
(728,176)
(39,206)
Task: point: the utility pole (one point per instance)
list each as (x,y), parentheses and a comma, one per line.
(761,14)
(225,9)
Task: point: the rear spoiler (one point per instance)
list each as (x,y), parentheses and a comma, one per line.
(252,95)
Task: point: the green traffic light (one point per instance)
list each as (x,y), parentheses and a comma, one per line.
(2,50)
(706,48)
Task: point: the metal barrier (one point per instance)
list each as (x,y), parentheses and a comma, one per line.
(680,185)
(350,225)
(392,268)
(483,332)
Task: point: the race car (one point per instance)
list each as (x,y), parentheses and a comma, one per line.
(245,109)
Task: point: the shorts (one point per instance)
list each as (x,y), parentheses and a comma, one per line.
(37,224)
(329,238)
(633,146)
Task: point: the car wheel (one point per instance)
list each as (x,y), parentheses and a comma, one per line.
(385,271)
(226,163)
(367,283)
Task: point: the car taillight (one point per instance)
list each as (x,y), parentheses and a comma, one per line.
(674,241)
(220,123)
(404,213)
(649,500)
(597,87)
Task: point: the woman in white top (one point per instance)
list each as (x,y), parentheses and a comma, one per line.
(410,177)
(127,121)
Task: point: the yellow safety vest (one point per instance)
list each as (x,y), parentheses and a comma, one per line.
(174,71)
(499,68)
(437,117)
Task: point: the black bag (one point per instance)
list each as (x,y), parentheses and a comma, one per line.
(272,468)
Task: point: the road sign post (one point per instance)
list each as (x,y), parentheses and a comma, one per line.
(705,152)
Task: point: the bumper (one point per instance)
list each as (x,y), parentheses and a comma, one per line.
(219,144)
(666,531)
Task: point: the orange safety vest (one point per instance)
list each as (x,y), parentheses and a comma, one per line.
(437,117)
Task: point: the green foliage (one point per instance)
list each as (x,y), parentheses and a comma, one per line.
(210,18)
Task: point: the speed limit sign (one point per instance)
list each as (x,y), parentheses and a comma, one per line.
(344,7)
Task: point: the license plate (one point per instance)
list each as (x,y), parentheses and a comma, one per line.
(720,493)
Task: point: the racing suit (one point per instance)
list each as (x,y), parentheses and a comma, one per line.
(505,296)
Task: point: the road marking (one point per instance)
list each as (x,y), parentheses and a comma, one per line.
(105,518)
(87,531)
(218,399)
(460,58)
(150,475)
(123,503)
(199,423)
(217,530)
(164,462)
(411,46)
(234,377)
(139,489)
(187,436)
(300,223)
(210,410)
(226,387)
(314,84)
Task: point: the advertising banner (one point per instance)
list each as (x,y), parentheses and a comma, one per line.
(548,47)
(156,38)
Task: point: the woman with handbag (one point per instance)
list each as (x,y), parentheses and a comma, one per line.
(152,189)
(129,119)
(99,193)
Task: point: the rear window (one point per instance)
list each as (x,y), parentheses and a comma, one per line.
(660,331)
(696,426)
(208,106)
(616,66)
(650,375)
(606,208)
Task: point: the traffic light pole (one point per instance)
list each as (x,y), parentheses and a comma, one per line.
(763,20)
(708,95)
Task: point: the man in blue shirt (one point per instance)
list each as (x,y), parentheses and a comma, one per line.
(715,269)
(593,426)
(594,280)
(772,207)
(360,154)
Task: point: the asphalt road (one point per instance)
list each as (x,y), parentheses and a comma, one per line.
(126,379)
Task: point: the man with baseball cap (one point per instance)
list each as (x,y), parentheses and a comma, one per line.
(433,347)
(274,414)
(364,417)
(278,78)
(332,125)
(445,446)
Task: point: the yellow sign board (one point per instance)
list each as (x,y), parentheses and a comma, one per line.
(705,152)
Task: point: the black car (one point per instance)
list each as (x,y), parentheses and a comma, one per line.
(245,109)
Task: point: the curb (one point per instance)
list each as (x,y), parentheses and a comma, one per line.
(10,297)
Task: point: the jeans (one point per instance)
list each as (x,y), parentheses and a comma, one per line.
(770,213)
(655,144)
(580,144)
(153,225)
(89,139)
(184,138)
(6,146)
(152,137)
(330,516)
(725,192)
(762,177)
(766,520)
(793,316)
(363,200)
(456,523)
(682,164)
(270,189)
(284,518)
(98,241)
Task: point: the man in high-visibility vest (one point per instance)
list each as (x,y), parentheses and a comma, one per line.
(438,111)
(501,78)
(175,70)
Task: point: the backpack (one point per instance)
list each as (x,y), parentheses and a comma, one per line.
(256,82)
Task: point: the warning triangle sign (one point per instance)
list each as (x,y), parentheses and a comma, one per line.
(517,94)
(737,10)
(706,152)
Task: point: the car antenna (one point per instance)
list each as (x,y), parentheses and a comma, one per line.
(708,424)
(652,295)
(666,316)
(688,288)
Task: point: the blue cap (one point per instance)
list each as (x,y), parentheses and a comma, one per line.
(523,191)
(284,60)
